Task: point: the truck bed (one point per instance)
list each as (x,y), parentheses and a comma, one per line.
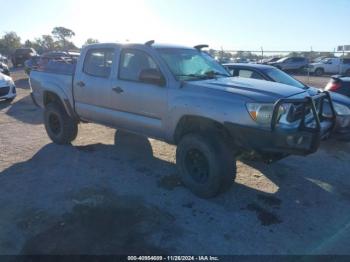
(56,76)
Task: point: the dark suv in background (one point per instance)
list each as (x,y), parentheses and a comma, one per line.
(21,55)
(291,63)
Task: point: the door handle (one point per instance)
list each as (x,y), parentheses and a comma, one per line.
(80,83)
(118,90)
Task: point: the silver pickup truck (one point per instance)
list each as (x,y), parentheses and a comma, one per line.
(184,97)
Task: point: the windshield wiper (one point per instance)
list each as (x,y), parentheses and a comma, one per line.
(194,76)
(207,75)
(215,73)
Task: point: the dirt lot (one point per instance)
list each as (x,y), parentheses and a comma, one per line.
(113,193)
(319,82)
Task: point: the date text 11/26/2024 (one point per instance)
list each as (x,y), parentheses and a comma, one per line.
(173,258)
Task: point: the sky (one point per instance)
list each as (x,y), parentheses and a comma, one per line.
(228,24)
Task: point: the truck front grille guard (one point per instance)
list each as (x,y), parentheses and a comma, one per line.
(310,102)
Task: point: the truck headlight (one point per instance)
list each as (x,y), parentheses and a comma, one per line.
(262,113)
(341,109)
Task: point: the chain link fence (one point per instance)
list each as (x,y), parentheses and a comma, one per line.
(266,56)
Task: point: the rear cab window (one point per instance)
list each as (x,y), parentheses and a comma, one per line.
(98,62)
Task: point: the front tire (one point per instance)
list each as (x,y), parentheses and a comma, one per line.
(319,72)
(60,127)
(206,164)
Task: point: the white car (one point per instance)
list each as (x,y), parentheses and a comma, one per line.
(333,65)
(7,88)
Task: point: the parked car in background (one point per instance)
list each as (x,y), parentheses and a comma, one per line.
(320,58)
(3,59)
(341,103)
(270,60)
(339,84)
(4,69)
(63,56)
(21,55)
(3,65)
(240,60)
(31,63)
(182,96)
(7,88)
(291,63)
(60,55)
(331,66)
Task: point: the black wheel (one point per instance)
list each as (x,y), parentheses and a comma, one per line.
(319,71)
(347,73)
(61,128)
(206,165)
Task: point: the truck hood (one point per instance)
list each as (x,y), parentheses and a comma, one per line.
(257,90)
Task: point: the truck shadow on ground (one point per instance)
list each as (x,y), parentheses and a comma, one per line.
(24,110)
(97,220)
(4,104)
(22,83)
(75,206)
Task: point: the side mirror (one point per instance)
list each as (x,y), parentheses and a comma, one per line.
(152,76)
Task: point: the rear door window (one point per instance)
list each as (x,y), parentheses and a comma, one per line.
(98,62)
(133,62)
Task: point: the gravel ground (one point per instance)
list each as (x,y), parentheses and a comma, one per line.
(319,82)
(116,193)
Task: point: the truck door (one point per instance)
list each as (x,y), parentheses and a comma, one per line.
(92,85)
(138,105)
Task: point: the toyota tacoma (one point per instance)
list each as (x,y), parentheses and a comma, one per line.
(182,96)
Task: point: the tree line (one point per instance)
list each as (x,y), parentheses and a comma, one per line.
(59,39)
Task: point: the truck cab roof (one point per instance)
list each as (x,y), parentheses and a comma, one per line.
(155,45)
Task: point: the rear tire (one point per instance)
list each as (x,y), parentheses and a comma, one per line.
(319,71)
(60,127)
(206,165)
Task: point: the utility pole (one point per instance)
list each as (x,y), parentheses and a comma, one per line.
(341,61)
(308,71)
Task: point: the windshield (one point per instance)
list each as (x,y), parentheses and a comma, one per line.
(283,78)
(191,64)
